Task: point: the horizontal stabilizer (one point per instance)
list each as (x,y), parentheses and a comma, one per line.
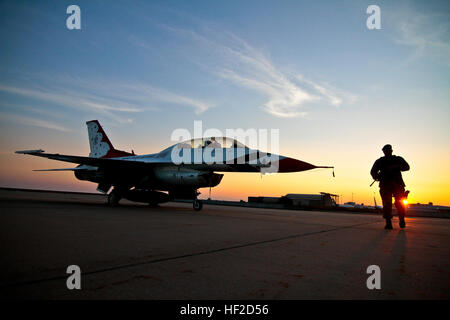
(61,169)
(30,151)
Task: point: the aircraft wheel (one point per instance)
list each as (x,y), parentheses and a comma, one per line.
(113,198)
(198,205)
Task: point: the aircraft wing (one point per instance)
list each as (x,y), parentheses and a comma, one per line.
(94,162)
(61,169)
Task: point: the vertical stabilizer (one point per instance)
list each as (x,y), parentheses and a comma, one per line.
(101,146)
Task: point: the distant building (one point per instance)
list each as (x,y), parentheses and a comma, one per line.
(322,200)
(427,207)
(421,205)
(311,200)
(352,204)
(267,200)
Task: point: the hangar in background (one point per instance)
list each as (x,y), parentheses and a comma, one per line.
(322,200)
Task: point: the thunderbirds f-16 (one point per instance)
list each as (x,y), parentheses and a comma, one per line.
(175,173)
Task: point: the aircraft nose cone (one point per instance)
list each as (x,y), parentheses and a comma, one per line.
(293,165)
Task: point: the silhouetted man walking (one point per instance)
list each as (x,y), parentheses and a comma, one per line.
(387,170)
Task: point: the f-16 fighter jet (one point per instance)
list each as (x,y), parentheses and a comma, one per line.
(176,172)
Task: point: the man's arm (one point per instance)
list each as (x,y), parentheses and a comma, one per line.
(374,172)
(404,166)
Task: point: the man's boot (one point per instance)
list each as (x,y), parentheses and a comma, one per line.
(402,222)
(388,224)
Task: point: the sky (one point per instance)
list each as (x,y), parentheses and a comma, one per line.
(336,90)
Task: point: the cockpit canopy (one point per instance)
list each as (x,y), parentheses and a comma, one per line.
(211,142)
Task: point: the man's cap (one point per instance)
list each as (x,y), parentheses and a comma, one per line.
(387,147)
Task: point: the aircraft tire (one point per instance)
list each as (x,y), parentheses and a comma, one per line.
(113,199)
(198,205)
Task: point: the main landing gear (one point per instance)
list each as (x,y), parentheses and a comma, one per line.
(114,197)
(117,194)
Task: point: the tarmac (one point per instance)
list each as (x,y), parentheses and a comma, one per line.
(173,252)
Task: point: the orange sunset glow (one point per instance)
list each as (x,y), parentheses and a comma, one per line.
(351,181)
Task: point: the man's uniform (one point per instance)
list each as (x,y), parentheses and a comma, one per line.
(387,170)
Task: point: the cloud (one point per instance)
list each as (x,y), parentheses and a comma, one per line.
(32,122)
(28,108)
(149,93)
(68,99)
(133,96)
(334,96)
(235,60)
(428,35)
(251,69)
(112,100)
(284,99)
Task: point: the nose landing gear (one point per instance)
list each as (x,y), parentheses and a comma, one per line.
(197,205)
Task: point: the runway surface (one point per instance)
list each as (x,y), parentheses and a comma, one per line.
(173,252)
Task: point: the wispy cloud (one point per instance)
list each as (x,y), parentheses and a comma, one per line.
(32,109)
(5,116)
(112,100)
(69,99)
(132,96)
(333,95)
(237,61)
(428,35)
(148,93)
